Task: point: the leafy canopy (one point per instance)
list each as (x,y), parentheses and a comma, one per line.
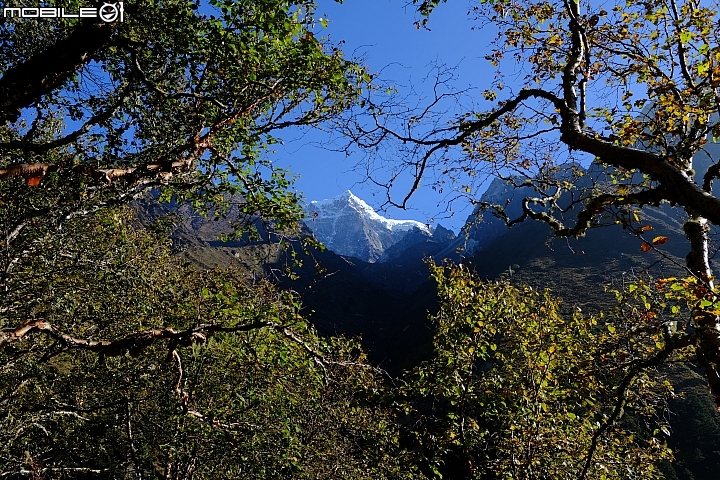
(515,389)
(138,365)
(183,95)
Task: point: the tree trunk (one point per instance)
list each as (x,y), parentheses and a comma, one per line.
(707,324)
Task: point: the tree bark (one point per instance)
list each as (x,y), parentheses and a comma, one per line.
(707,324)
(25,83)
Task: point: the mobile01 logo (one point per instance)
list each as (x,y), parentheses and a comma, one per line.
(109,12)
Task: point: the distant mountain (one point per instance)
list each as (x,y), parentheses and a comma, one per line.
(349,226)
(418,244)
(484,227)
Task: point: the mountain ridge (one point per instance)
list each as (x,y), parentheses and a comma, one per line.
(348,226)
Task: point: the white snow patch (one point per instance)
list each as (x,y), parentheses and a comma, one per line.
(333,207)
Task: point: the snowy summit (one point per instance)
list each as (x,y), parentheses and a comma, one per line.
(349,226)
(333,207)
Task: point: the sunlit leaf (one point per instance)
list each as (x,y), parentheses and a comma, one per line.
(660,240)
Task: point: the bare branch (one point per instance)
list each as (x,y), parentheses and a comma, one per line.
(467,129)
(33,172)
(60,470)
(594,206)
(576,56)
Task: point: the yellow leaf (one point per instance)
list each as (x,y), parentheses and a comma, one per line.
(660,240)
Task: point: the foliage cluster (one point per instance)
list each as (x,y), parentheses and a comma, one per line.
(517,390)
(182,95)
(514,388)
(253,399)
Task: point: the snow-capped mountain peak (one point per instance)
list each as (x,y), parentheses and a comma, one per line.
(334,206)
(349,226)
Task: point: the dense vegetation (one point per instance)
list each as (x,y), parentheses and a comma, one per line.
(629,86)
(137,364)
(205,375)
(516,390)
(119,360)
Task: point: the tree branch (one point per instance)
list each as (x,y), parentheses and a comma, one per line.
(133,343)
(69,138)
(711,174)
(34,172)
(24,84)
(575,58)
(671,344)
(594,206)
(467,129)
(660,168)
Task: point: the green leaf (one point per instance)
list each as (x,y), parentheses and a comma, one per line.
(686,36)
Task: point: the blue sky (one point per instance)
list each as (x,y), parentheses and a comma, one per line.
(383,33)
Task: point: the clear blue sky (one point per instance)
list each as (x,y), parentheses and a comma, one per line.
(383,33)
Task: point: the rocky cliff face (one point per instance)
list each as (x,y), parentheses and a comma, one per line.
(349,226)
